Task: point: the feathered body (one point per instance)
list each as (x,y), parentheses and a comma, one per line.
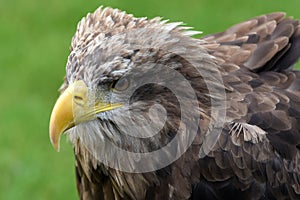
(256,153)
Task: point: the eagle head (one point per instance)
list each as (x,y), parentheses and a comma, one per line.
(135,91)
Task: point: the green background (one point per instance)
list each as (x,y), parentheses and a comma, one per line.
(34,44)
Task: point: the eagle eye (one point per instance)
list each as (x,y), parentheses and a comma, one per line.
(121,84)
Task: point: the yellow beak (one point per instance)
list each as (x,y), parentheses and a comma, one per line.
(71,108)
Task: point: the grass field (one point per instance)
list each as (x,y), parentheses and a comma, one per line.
(34,44)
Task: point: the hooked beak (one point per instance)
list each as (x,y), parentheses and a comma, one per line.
(71,109)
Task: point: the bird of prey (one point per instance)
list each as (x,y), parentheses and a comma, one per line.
(155,112)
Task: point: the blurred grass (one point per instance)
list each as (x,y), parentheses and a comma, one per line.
(34,40)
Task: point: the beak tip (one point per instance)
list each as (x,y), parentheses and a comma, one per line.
(57,149)
(55,143)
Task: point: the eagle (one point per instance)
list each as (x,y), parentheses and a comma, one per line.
(154,111)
